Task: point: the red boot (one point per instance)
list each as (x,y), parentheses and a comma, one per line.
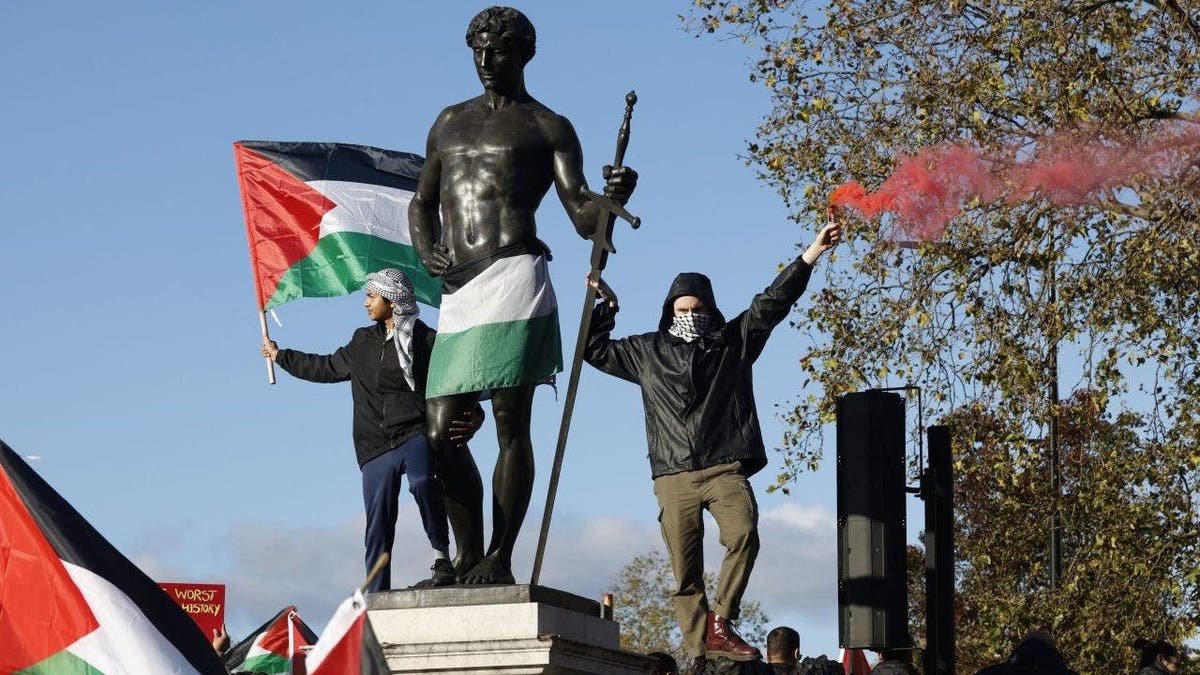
(722,640)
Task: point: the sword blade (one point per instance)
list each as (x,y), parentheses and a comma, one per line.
(564,428)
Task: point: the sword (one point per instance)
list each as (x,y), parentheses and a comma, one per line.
(601,246)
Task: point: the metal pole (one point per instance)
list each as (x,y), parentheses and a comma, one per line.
(937,489)
(1055,473)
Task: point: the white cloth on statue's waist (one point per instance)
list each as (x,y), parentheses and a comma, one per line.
(498,329)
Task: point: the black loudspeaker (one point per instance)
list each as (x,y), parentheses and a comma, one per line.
(872,589)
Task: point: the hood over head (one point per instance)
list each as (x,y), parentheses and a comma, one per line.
(690,283)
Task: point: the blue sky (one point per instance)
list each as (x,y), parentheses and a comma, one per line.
(128,315)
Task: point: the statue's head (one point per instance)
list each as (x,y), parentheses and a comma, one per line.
(513,27)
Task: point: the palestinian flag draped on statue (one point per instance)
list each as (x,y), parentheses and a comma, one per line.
(71,604)
(499,329)
(273,646)
(321,216)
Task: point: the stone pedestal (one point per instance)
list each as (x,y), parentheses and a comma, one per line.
(497,629)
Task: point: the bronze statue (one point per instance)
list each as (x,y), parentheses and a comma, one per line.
(489,161)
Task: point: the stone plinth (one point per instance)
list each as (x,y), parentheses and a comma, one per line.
(497,629)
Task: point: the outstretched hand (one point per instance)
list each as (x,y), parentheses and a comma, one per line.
(829,236)
(605,291)
(220,639)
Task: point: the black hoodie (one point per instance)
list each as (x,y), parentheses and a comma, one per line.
(699,396)
(1036,655)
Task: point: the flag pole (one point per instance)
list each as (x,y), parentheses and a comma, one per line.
(382,562)
(262,322)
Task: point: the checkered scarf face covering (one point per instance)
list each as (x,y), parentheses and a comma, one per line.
(393,285)
(690,327)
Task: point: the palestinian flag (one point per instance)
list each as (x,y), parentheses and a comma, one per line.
(854,662)
(321,216)
(500,329)
(71,604)
(348,645)
(272,647)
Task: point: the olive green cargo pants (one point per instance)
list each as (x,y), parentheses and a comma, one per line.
(682,498)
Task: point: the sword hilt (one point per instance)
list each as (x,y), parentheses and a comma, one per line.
(623,133)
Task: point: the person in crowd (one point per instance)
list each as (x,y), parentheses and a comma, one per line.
(1036,655)
(1157,658)
(894,662)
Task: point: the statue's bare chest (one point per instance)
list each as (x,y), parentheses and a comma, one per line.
(509,137)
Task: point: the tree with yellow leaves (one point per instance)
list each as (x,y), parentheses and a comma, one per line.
(1018,297)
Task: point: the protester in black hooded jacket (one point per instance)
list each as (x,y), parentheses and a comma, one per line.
(1036,655)
(695,373)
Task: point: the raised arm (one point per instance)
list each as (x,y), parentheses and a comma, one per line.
(771,307)
(620,358)
(424,221)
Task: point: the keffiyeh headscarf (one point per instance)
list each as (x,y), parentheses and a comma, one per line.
(692,326)
(394,285)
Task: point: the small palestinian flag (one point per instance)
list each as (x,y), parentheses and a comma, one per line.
(71,604)
(273,646)
(348,645)
(854,662)
(321,216)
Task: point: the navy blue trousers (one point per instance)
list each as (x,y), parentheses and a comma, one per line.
(381,493)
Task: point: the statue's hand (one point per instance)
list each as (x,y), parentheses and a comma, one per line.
(620,183)
(438,260)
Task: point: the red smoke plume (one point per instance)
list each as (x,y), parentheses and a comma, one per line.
(927,190)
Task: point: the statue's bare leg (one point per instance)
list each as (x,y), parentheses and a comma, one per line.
(512,483)
(463,484)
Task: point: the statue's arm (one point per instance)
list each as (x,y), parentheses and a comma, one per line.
(424,221)
(568,175)
(569,181)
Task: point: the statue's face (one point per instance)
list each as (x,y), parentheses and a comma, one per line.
(497,63)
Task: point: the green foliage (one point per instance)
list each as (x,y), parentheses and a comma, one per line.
(642,598)
(979,318)
(972,317)
(1130,538)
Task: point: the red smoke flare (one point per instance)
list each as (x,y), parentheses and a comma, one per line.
(928,190)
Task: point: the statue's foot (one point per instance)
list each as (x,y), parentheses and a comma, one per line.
(490,570)
(464,563)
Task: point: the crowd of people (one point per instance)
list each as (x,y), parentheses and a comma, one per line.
(1037,654)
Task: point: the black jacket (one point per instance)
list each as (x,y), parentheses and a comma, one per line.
(699,396)
(1036,655)
(387,412)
